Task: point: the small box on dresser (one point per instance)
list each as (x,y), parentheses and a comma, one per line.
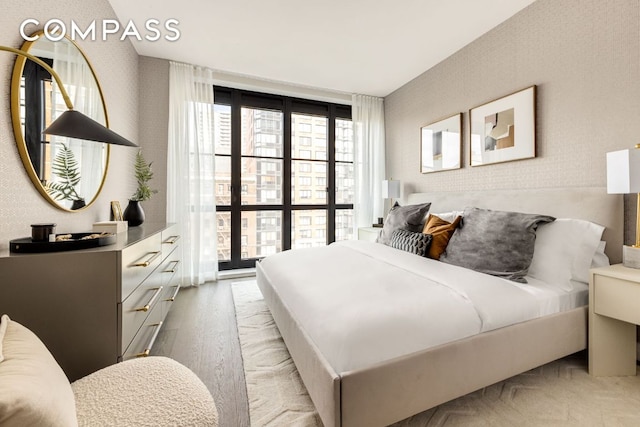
(114,227)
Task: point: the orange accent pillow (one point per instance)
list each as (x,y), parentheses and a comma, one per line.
(441,231)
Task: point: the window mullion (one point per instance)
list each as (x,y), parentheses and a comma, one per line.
(331,184)
(286,179)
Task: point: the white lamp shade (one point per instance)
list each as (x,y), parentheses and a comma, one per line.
(390,189)
(623,171)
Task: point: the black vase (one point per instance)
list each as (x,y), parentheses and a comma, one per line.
(133,213)
(77,204)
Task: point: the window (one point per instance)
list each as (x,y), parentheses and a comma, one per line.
(282,183)
(305,220)
(305,194)
(304,167)
(304,127)
(304,180)
(305,234)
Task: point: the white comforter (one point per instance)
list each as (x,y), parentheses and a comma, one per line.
(362,303)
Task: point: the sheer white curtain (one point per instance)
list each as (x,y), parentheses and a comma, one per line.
(367,115)
(191,169)
(85,97)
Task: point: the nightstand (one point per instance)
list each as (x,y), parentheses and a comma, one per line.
(369,233)
(614,312)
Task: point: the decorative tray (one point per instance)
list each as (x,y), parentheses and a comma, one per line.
(72,242)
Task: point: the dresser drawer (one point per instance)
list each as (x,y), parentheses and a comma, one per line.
(138,262)
(617,298)
(143,341)
(137,307)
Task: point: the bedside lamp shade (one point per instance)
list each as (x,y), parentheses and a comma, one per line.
(72,123)
(390,189)
(623,172)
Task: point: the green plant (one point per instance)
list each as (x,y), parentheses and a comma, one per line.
(65,166)
(143,174)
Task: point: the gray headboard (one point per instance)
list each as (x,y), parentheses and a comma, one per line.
(588,203)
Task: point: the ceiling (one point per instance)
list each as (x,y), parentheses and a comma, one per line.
(351,46)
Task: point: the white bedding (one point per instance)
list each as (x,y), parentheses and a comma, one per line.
(363,303)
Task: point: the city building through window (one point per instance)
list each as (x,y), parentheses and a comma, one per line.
(284,174)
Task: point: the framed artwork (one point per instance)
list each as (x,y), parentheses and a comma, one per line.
(441,145)
(116,211)
(504,129)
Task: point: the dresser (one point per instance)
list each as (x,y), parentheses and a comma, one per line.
(95,307)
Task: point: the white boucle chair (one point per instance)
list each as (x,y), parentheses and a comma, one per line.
(152,391)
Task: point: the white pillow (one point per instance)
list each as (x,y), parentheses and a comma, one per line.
(564,250)
(449,216)
(600,259)
(34,391)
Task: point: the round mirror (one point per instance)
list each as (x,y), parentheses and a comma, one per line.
(68,172)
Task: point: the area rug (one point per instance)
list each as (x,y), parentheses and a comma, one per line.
(560,393)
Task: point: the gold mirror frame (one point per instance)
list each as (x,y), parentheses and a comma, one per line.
(21,142)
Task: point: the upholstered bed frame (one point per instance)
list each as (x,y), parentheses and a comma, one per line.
(396,389)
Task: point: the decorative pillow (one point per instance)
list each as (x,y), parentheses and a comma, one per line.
(33,389)
(564,250)
(495,242)
(409,241)
(441,230)
(409,217)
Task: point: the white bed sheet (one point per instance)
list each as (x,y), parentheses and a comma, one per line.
(364,303)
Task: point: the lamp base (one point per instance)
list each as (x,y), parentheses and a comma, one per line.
(631,256)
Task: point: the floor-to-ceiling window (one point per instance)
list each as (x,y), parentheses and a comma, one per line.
(284,174)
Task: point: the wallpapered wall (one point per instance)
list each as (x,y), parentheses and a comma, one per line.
(584,57)
(154,119)
(116,65)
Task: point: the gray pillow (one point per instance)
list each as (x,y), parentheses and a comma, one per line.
(495,242)
(409,241)
(409,217)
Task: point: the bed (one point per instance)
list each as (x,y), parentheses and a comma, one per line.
(331,328)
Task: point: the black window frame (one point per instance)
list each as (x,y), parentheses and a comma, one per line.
(239,98)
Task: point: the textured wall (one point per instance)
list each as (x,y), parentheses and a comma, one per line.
(584,56)
(154,122)
(116,65)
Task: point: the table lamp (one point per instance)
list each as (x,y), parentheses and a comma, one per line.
(623,177)
(72,123)
(390,190)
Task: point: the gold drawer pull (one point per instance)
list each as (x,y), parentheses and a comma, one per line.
(147,350)
(171,240)
(175,294)
(173,269)
(148,261)
(148,305)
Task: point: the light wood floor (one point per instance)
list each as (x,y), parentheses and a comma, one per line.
(200,332)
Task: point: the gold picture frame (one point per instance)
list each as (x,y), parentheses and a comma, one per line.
(441,145)
(504,129)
